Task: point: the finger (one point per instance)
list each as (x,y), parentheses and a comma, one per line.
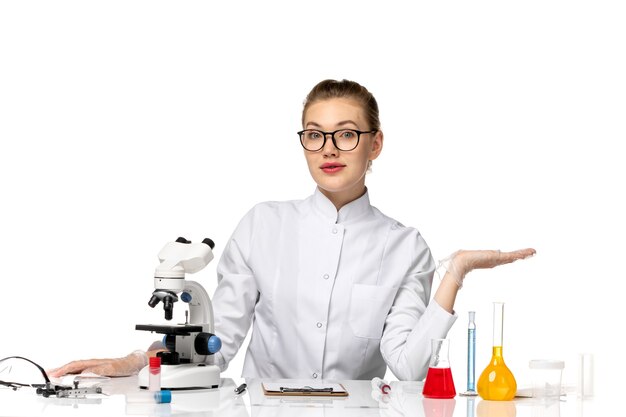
(55,373)
(522,253)
(70,368)
(102,370)
(508,257)
(113,368)
(74,367)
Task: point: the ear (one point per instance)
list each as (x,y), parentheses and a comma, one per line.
(377,145)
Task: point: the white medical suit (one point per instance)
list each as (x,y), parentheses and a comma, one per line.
(330,294)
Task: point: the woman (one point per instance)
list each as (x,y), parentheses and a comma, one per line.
(333,288)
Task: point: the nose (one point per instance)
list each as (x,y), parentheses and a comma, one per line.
(329,148)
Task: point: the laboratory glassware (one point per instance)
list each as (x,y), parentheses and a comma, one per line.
(497,382)
(381,385)
(471,356)
(439,383)
(154,397)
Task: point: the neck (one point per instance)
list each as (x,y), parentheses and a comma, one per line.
(341,198)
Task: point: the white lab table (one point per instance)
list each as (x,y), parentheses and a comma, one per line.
(405,400)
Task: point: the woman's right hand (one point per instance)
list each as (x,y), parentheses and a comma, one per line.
(465,261)
(126,366)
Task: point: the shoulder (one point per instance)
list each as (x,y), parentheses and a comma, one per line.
(269,211)
(270,208)
(398,232)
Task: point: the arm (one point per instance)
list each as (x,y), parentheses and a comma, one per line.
(234,301)
(410,325)
(237,291)
(412,321)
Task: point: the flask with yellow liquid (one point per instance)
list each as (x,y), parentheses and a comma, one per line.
(497,382)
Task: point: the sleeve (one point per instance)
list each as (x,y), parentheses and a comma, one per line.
(236,293)
(412,321)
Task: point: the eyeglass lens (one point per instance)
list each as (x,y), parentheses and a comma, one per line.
(345,140)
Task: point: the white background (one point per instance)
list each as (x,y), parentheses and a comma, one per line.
(125,124)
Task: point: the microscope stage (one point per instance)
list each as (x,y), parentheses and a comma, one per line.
(177,329)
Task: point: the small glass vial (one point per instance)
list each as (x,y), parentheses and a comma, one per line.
(154,374)
(147,397)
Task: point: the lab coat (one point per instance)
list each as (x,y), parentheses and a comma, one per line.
(329,294)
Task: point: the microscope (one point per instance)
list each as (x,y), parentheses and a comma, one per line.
(188,361)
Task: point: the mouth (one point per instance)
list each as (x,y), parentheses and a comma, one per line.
(331,167)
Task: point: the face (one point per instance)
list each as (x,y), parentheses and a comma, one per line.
(340,175)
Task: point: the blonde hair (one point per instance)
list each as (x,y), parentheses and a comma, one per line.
(328,89)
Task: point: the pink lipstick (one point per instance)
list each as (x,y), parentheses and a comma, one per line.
(332,167)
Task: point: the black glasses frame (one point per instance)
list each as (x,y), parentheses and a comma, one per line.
(332,136)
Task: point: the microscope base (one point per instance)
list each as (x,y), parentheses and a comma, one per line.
(184,376)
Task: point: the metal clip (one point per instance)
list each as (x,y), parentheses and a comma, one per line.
(306,389)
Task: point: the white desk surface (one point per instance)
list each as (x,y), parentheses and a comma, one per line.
(405,400)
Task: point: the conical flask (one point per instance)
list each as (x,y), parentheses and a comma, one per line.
(497,382)
(439,383)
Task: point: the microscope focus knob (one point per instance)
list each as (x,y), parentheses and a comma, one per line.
(207,344)
(214,344)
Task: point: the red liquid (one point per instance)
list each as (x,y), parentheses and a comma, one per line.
(439,383)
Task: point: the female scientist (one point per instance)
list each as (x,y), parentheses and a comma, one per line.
(333,288)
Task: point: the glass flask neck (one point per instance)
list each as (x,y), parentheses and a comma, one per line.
(498,322)
(440,353)
(496,355)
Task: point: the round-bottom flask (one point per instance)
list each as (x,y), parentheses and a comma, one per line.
(497,382)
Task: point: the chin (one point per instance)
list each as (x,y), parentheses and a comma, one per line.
(337,188)
(331,186)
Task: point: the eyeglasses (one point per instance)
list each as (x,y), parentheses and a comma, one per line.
(344,139)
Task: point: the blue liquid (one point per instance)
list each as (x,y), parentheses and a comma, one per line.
(471,359)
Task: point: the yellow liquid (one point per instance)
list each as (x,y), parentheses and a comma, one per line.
(497,382)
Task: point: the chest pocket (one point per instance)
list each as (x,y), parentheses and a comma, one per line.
(369,305)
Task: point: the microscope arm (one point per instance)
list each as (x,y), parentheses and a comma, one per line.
(200,307)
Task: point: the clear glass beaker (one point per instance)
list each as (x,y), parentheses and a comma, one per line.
(497,382)
(439,383)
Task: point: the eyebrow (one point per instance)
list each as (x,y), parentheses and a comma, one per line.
(340,124)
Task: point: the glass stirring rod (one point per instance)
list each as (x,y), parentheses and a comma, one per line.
(471,357)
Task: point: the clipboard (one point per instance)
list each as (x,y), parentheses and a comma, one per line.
(287,389)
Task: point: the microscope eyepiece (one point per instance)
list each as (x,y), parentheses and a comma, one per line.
(168,307)
(154,300)
(209,242)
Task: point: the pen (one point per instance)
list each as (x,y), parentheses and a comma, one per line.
(241,388)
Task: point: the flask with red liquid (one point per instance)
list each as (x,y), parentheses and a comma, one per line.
(439,383)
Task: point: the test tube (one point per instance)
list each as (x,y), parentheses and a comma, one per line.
(154,374)
(471,356)
(149,397)
(471,352)
(381,385)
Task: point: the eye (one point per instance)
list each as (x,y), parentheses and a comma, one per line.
(347,134)
(313,135)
